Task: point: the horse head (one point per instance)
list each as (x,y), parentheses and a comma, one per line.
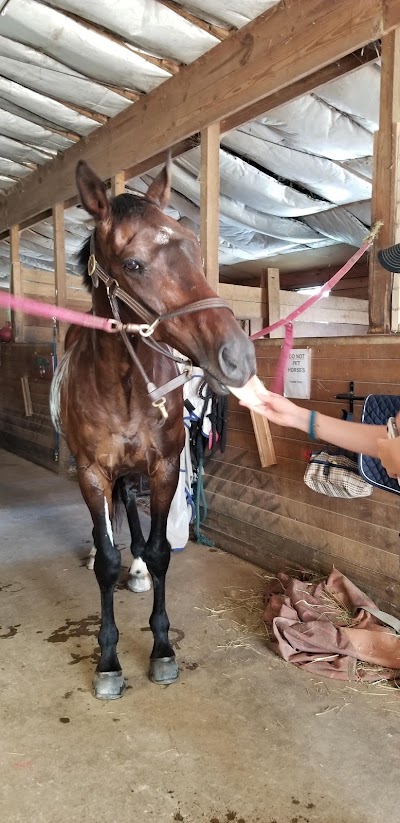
(157,261)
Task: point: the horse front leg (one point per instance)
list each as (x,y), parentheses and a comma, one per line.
(157,552)
(108,683)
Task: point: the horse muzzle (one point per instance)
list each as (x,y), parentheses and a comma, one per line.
(237,361)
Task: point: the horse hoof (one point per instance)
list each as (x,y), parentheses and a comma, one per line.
(139,584)
(108,685)
(163,670)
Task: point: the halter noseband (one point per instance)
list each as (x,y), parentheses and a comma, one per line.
(147,328)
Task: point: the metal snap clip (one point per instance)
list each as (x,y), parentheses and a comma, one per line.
(161,405)
(146,331)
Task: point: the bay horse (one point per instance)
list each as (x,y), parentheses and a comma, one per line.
(107,393)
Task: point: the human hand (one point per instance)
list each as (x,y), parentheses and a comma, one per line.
(282,411)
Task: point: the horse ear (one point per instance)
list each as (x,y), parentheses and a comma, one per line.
(160,189)
(92,192)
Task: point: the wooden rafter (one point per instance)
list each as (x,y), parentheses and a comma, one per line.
(26,114)
(297,39)
(346,65)
(171,66)
(220,32)
(91,115)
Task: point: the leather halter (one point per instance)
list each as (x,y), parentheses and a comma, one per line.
(147,328)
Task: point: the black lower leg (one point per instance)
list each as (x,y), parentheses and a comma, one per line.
(129,498)
(107,566)
(157,556)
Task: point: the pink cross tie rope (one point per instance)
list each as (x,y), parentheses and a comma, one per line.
(287,322)
(35,307)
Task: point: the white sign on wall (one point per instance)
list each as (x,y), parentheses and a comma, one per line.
(298,374)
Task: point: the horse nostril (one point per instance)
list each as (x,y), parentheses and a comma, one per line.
(237,361)
(227,362)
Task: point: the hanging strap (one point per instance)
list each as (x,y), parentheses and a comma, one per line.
(287,322)
(384,617)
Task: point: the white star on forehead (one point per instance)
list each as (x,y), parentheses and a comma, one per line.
(163,235)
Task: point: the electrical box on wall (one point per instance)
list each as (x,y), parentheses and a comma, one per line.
(42,366)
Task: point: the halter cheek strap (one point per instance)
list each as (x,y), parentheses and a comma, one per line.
(146,329)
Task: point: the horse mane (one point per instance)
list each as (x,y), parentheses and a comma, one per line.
(124,205)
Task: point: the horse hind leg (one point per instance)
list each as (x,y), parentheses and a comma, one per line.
(139,579)
(108,683)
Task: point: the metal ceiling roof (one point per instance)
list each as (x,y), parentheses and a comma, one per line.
(296,178)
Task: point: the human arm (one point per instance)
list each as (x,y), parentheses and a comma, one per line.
(389,453)
(355,437)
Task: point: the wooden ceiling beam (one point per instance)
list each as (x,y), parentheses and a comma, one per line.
(158,159)
(280,47)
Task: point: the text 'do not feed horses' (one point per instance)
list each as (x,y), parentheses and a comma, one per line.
(118,398)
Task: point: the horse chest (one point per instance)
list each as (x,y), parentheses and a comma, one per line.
(131,447)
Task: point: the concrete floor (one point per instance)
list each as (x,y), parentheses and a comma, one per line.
(241,737)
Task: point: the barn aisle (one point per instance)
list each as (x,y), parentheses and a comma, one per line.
(242,737)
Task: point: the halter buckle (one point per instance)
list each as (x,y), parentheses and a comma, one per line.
(111,287)
(161,404)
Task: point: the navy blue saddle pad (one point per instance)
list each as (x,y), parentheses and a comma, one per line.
(377,410)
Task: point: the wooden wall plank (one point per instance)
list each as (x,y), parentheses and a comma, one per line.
(291,557)
(32,437)
(270,513)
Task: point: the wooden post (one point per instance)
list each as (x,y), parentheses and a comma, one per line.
(264,442)
(17,318)
(118,184)
(273,300)
(59,264)
(385,185)
(209,203)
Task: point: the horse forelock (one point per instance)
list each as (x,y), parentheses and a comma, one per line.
(123,206)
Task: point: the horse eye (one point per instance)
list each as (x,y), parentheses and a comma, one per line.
(131,265)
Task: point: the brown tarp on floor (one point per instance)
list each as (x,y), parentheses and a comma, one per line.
(324,628)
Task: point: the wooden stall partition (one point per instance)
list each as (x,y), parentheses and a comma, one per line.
(331,316)
(5,316)
(270,517)
(39,284)
(25,423)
